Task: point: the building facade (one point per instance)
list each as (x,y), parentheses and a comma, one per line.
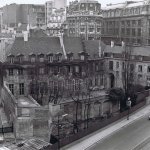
(14,14)
(84,19)
(127,21)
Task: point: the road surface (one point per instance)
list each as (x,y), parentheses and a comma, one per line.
(126,138)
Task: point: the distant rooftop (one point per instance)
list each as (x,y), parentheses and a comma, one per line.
(126,4)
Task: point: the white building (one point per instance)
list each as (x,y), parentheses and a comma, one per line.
(55,11)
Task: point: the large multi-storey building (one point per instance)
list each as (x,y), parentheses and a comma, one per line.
(128,21)
(84,19)
(14,14)
(55,16)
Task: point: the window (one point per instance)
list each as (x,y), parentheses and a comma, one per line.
(77,69)
(117,74)
(20,71)
(96,67)
(11,72)
(117,64)
(11,88)
(122,23)
(50,59)
(91,29)
(20,59)
(82,57)
(123,65)
(41,70)
(21,88)
(41,59)
(58,58)
(110,65)
(32,58)
(131,67)
(139,22)
(148,69)
(139,32)
(11,60)
(133,32)
(128,31)
(133,22)
(140,68)
(122,31)
(82,29)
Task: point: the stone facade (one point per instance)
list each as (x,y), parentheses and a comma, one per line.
(84,19)
(128,22)
(24,14)
(29,118)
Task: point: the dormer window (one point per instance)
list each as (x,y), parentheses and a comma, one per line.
(20,58)
(41,57)
(70,56)
(58,57)
(50,57)
(11,58)
(32,57)
(82,56)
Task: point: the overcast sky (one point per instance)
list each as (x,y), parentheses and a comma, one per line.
(4,2)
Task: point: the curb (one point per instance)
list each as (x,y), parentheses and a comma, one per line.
(114,133)
(135,118)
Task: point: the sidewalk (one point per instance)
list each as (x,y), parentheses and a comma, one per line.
(90,140)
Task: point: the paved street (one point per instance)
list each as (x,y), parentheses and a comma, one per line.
(127,138)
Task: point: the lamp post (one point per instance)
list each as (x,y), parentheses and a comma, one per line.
(129,106)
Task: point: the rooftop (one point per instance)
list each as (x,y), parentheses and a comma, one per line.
(126,4)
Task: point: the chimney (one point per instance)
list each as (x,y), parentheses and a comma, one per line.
(25,36)
(112,44)
(122,43)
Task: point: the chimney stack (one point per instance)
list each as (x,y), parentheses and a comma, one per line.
(122,43)
(25,36)
(112,44)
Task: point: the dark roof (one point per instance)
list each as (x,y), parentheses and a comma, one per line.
(37,33)
(74,45)
(143,51)
(34,45)
(92,47)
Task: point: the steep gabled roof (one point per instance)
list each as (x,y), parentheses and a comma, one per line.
(36,45)
(74,45)
(92,47)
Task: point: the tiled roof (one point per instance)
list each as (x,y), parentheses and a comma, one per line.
(74,45)
(36,45)
(92,47)
(37,33)
(140,51)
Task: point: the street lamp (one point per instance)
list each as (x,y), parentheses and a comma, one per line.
(58,127)
(129,106)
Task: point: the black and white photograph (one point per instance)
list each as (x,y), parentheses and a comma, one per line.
(74,75)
